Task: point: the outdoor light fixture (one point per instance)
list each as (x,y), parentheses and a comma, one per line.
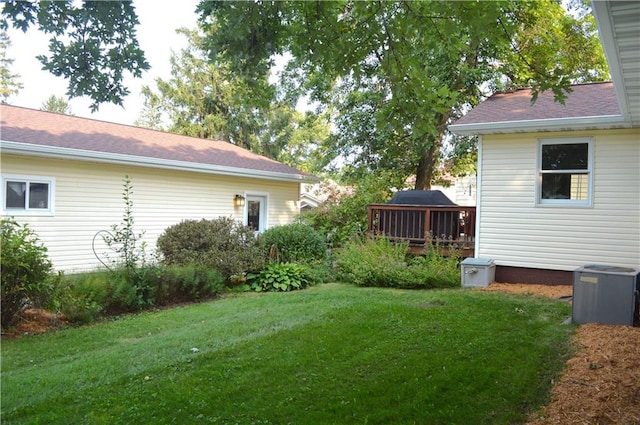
(238,201)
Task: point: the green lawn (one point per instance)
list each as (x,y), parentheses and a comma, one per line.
(331,354)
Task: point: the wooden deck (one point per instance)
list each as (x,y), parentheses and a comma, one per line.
(448,227)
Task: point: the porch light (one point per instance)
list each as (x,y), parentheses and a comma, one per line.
(238,201)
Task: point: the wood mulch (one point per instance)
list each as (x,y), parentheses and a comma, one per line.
(601,383)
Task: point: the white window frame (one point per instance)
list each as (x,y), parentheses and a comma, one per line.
(26,211)
(589,171)
(265,209)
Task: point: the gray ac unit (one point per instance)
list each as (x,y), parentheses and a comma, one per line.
(606,294)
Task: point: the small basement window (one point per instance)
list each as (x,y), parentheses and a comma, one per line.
(27,195)
(565,172)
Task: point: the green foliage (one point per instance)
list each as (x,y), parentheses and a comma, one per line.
(92,44)
(294,243)
(9,82)
(395,74)
(279,277)
(25,271)
(380,262)
(204,98)
(343,216)
(130,263)
(187,283)
(56,104)
(221,244)
(86,297)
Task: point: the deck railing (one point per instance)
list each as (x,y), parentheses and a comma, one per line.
(421,225)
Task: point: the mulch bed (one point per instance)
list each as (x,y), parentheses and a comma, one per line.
(601,383)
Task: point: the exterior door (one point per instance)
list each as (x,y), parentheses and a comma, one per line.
(256,212)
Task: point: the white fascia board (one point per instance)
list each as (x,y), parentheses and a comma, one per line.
(141,161)
(604,22)
(534,126)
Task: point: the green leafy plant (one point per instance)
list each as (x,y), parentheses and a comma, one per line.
(343,216)
(178,283)
(279,277)
(380,262)
(25,271)
(295,243)
(221,244)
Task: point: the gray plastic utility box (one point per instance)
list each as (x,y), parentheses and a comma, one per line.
(478,272)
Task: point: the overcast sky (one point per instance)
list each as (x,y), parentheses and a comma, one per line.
(157,37)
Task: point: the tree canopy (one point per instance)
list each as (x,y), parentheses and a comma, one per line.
(395,74)
(391,74)
(92,44)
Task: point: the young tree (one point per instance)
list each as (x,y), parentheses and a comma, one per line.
(9,83)
(91,45)
(397,73)
(56,104)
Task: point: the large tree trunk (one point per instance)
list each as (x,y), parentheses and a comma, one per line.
(427,164)
(429,158)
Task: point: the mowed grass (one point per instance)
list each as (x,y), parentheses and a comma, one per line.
(331,354)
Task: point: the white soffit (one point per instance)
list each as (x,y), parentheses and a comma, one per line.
(619,27)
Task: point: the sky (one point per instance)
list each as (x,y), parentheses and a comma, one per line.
(157,37)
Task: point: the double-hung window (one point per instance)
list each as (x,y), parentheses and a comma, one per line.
(26,195)
(565,172)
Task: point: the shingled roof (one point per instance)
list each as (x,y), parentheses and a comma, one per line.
(587,106)
(42,133)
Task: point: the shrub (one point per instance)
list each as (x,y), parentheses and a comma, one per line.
(371,262)
(295,243)
(25,271)
(187,283)
(343,216)
(380,262)
(88,296)
(279,277)
(221,244)
(85,296)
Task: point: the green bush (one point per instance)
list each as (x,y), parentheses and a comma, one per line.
(221,244)
(88,296)
(85,296)
(379,262)
(25,271)
(343,216)
(187,283)
(279,277)
(295,243)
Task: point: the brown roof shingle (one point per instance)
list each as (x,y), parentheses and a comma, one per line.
(49,129)
(586,100)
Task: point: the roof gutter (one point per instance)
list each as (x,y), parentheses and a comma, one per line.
(544,125)
(17,148)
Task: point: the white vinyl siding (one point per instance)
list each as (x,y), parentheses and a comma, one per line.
(516,232)
(89,199)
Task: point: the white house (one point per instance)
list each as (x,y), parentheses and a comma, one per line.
(63,176)
(559,185)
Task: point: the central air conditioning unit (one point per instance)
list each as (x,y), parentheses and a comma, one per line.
(608,295)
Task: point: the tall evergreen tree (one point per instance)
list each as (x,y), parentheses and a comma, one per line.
(9,82)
